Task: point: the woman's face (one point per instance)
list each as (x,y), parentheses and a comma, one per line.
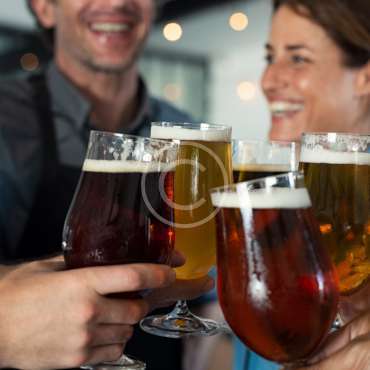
(307,86)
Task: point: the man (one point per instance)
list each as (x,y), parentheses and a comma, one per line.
(92,83)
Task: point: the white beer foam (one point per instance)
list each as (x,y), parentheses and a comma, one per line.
(333,157)
(104,166)
(255,167)
(183,133)
(268,198)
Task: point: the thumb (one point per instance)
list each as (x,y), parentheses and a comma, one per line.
(341,338)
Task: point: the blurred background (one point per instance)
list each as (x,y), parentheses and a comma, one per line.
(205,56)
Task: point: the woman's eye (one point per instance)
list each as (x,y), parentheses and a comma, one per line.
(269,59)
(298,59)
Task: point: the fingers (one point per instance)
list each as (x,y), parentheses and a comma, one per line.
(111,334)
(180,290)
(128,278)
(121,311)
(355,356)
(339,339)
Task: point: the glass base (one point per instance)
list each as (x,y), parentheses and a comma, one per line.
(179,323)
(123,363)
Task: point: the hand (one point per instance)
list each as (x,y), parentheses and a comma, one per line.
(180,289)
(50,318)
(355,304)
(345,349)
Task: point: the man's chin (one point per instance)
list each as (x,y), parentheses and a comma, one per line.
(109,67)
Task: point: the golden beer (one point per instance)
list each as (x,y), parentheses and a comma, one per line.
(339,186)
(204,163)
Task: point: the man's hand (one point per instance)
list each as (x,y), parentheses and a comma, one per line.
(50,318)
(345,349)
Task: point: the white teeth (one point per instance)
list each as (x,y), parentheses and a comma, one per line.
(283,107)
(109,27)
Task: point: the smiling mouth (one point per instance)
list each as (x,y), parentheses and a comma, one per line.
(110,27)
(281,108)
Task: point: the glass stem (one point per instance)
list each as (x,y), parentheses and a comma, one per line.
(181,309)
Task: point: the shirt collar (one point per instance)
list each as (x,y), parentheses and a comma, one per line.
(67,100)
(65,97)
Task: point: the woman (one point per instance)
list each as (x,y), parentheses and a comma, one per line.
(317,79)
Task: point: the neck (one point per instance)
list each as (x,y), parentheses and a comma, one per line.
(113,96)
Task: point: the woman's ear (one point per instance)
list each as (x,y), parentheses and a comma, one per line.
(44,11)
(363,80)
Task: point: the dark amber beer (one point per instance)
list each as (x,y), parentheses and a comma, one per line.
(276,283)
(256,159)
(248,172)
(110,222)
(338,179)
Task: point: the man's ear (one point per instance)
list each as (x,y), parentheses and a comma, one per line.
(363,80)
(45,12)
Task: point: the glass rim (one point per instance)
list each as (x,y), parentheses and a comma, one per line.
(340,134)
(286,142)
(201,126)
(225,188)
(135,137)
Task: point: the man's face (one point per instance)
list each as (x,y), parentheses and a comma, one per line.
(105,35)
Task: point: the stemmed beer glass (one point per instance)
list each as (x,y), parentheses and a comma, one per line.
(276,283)
(117,214)
(336,167)
(204,162)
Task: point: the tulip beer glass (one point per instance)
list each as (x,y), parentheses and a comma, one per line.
(120,212)
(276,282)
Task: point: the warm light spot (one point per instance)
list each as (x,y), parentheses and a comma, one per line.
(238,21)
(326,228)
(172,32)
(29,62)
(172,92)
(246,90)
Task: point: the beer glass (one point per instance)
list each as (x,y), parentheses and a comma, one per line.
(120,212)
(276,283)
(336,167)
(204,162)
(256,159)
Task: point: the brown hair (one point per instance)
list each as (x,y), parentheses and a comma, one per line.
(347,23)
(47,34)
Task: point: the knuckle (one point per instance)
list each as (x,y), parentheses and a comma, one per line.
(138,309)
(84,341)
(135,279)
(115,352)
(88,312)
(80,358)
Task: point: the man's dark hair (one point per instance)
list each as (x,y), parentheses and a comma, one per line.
(47,34)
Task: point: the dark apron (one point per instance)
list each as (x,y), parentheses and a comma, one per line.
(43,233)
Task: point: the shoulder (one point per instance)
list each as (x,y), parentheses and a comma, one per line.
(164,111)
(18,112)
